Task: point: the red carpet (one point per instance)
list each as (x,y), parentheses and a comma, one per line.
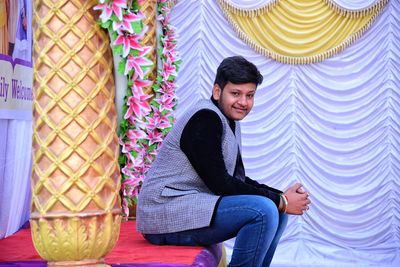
(131,248)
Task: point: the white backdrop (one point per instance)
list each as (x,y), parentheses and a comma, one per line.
(15,171)
(334,126)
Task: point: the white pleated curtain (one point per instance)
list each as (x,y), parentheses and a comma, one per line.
(334,126)
(15,171)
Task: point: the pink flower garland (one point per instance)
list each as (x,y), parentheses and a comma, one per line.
(145,124)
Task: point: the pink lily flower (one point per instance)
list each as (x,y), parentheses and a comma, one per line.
(167,86)
(108,8)
(125,206)
(132,182)
(136,63)
(132,145)
(148,160)
(164,16)
(126,23)
(134,134)
(166,103)
(168,69)
(158,122)
(139,84)
(128,41)
(170,54)
(138,105)
(154,137)
(169,94)
(128,147)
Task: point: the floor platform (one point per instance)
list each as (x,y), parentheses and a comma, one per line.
(131,250)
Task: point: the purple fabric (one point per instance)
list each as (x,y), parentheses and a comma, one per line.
(21,32)
(209,257)
(26,225)
(23,264)
(150,265)
(44,264)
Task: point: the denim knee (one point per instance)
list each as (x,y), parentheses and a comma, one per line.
(268,211)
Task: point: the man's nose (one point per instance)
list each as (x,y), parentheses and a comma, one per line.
(243,100)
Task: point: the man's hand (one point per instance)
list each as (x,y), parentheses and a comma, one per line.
(297,200)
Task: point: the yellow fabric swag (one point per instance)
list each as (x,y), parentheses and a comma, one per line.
(300,31)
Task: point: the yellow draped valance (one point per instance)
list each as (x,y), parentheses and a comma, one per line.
(300,31)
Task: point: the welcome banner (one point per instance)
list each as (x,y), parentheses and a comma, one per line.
(16,72)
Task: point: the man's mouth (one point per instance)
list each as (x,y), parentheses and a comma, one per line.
(241,110)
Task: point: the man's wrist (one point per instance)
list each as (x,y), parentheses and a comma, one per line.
(283,203)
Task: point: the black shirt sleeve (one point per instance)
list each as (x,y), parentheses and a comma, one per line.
(201,143)
(257,184)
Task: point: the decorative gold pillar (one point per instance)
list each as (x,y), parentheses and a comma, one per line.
(75,213)
(149,9)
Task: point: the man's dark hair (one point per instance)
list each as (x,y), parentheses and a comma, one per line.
(237,70)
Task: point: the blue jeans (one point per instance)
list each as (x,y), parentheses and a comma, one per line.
(253,220)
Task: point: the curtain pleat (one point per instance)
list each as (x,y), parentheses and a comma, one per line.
(15,171)
(333,125)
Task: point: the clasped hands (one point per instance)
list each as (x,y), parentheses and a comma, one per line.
(298,201)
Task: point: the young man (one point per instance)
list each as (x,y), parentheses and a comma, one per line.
(196,192)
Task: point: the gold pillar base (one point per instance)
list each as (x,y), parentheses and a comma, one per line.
(86,263)
(75,241)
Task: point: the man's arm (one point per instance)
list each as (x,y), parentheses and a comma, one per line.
(201,143)
(257,184)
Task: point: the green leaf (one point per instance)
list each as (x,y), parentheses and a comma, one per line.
(165,131)
(152,147)
(107,24)
(121,66)
(118,49)
(135,6)
(154,103)
(137,26)
(113,35)
(124,123)
(122,160)
(178,64)
(134,53)
(128,94)
(129,201)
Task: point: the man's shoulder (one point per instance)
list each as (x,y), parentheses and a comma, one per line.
(200,105)
(206,115)
(204,109)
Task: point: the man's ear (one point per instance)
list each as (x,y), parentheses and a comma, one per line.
(216,92)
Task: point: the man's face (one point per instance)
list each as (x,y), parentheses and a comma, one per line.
(235,100)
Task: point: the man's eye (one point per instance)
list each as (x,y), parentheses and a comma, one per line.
(235,93)
(250,96)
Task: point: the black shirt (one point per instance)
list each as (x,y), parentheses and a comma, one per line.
(201,142)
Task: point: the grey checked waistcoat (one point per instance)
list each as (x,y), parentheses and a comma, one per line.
(173,197)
